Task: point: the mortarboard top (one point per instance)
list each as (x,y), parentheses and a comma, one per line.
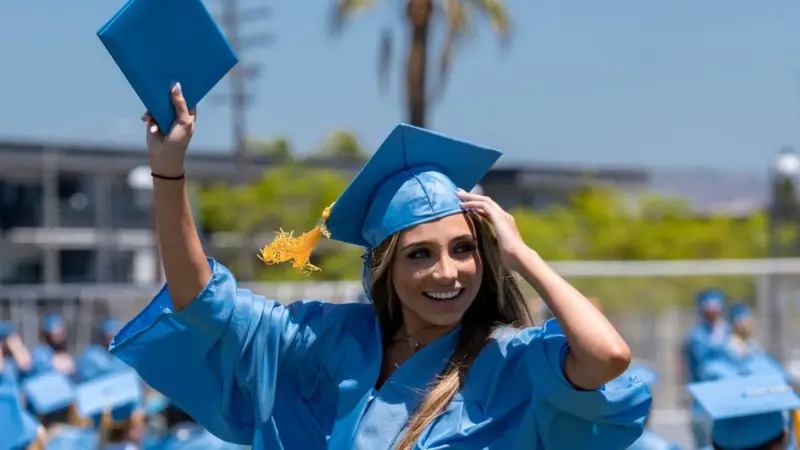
(48,392)
(52,322)
(763,364)
(642,372)
(747,411)
(738,311)
(119,393)
(6,328)
(18,428)
(710,298)
(412,178)
(157,43)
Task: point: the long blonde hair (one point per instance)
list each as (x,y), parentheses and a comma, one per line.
(499,302)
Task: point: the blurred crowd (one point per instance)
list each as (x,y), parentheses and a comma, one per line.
(742,397)
(51,398)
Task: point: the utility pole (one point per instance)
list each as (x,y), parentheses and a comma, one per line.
(233,16)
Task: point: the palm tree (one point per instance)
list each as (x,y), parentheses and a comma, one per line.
(420,15)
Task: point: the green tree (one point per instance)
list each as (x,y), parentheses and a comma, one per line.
(288,197)
(420,15)
(604,225)
(342,144)
(279,148)
(601,224)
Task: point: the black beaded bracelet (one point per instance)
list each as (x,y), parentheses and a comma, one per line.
(165,177)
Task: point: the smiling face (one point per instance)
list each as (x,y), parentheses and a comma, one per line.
(436,272)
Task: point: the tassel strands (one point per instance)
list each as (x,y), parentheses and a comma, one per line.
(286,247)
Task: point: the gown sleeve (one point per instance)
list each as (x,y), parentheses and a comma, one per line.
(220,357)
(611,417)
(41,360)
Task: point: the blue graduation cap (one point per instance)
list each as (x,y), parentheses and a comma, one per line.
(710,298)
(73,438)
(52,322)
(763,364)
(119,394)
(738,311)
(747,411)
(6,328)
(412,178)
(157,43)
(18,428)
(48,392)
(108,326)
(642,372)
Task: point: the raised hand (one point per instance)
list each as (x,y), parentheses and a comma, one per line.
(512,247)
(166,153)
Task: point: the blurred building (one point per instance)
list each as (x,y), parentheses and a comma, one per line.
(539,187)
(81,214)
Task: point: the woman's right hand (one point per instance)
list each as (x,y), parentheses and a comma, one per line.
(166,153)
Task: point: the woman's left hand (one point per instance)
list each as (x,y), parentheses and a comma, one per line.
(512,247)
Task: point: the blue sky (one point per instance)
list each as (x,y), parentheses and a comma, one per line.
(671,83)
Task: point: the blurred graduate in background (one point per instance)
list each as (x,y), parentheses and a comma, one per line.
(50,397)
(15,359)
(96,360)
(705,342)
(180,431)
(19,430)
(52,352)
(113,405)
(743,349)
(748,412)
(649,440)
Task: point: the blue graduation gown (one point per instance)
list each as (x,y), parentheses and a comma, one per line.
(652,441)
(41,359)
(9,374)
(96,361)
(704,343)
(256,372)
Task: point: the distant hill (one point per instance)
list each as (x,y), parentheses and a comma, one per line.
(713,191)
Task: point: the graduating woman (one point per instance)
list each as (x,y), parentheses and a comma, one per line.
(444,356)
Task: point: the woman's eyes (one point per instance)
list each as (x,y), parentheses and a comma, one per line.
(466,247)
(420,253)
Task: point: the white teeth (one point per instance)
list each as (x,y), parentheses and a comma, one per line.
(446,295)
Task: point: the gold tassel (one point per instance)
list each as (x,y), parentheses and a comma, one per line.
(286,247)
(796,416)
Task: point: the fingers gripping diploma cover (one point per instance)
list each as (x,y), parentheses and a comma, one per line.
(157,43)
